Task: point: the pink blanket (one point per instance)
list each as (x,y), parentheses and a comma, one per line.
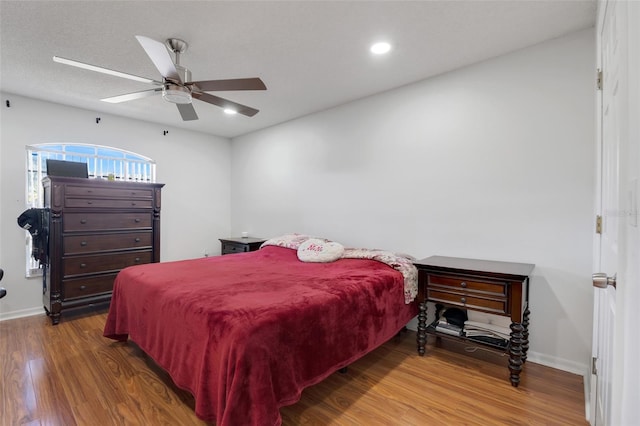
(246,333)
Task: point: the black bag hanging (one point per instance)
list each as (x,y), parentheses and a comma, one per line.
(36,221)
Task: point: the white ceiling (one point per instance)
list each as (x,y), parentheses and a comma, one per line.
(312,55)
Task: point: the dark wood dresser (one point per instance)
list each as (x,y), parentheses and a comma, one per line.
(240,245)
(96,228)
(499,288)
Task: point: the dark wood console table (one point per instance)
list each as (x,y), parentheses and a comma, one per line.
(500,288)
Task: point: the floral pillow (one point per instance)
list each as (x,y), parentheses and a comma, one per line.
(317,250)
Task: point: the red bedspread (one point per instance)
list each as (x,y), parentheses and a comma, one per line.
(246,333)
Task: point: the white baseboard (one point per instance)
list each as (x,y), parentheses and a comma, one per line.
(21,313)
(589,387)
(559,363)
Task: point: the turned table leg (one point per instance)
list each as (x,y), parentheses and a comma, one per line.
(515,353)
(525,334)
(422,328)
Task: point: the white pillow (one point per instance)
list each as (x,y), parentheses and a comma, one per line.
(315,250)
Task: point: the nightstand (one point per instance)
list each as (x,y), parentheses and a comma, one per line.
(499,288)
(240,245)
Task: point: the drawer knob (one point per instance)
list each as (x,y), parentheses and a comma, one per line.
(137,240)
(463,284)
(83,287)
(463,299)
(137,259)
(83,243)
(83,265)
(133,204)
(137,220)
(89,202)
(83,221)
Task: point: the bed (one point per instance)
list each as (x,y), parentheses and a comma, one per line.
(246,333)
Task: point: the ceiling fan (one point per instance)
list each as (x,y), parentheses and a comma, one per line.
(176,85)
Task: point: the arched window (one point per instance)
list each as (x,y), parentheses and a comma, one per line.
(102,162)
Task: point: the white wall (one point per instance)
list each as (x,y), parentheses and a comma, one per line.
(493,161)
(195,213)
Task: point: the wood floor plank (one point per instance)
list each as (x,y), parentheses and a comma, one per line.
(70,375)
(16,389)
(52,405)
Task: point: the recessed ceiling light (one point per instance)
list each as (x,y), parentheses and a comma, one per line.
(230,111)
(380,48)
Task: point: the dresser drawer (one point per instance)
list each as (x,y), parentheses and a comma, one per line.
(90,264)
(81,244)
(84,287)
(84,191)
(230,248)
(104,203)
(469,286)
(105,221)
(493,305)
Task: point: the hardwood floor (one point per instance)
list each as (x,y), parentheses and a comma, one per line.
(70,375)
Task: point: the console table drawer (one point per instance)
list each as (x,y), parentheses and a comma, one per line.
(469,285)
(492,305)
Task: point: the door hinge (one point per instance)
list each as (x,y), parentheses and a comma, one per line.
(594,370)
(598,224)
(599,79)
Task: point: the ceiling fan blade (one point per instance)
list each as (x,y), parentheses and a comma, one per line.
(160,57)
(103,70)
(132,96)
(225,103)
(187,112)
(232,84)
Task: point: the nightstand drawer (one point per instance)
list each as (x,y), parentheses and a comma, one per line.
(493,288)
(230,248)
(492,305)
(240,245)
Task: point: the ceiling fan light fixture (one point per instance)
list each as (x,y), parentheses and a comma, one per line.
(176,94)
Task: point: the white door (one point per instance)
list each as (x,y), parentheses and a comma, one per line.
(606,256)
(614,387)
